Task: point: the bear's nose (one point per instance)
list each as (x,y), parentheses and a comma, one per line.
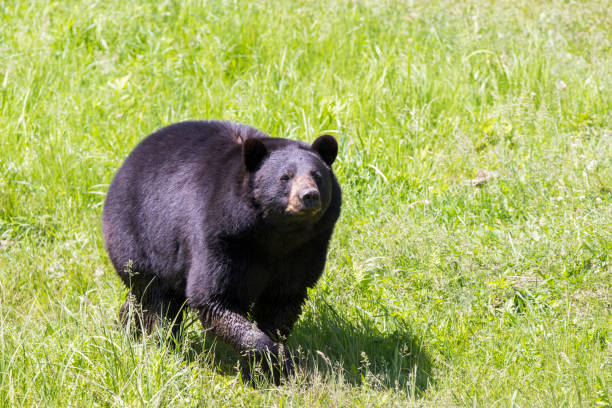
(310,198)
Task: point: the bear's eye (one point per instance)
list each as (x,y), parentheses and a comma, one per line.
(287,176)
(317,176)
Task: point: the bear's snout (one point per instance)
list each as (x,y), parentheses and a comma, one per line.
(304,197)
(310,198)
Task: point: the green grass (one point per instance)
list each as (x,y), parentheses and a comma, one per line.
(435,292)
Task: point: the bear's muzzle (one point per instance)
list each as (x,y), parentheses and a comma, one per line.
(304,197)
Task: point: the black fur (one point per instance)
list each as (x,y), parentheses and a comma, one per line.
(196,216)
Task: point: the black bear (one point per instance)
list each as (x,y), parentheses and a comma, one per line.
(232,223)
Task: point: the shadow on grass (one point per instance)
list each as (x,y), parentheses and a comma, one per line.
(331,345)
(362,352)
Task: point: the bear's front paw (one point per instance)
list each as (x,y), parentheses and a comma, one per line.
(275,366)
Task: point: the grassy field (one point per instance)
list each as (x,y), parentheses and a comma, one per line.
(437,292)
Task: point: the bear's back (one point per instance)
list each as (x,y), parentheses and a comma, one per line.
(179,153)
(190,140)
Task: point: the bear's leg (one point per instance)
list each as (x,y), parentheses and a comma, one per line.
(233,328)
(144,310)
(146,318)
(276,315)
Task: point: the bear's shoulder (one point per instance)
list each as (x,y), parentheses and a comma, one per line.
(238,132)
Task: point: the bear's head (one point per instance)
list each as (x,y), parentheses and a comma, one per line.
(291,181)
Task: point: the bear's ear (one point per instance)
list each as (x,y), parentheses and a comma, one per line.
(253,153)
(327,147)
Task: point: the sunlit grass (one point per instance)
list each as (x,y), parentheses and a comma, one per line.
(436,292)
